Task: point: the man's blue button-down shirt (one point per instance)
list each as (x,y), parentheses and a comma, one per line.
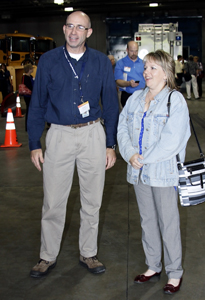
(56,93)
(127,69)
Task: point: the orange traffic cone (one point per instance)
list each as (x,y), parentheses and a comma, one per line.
(18,108)
(10,136)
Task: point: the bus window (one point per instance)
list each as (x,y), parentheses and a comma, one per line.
(20,45)
(3,45)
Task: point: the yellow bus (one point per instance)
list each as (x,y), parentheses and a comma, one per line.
(42,45)
(16,48)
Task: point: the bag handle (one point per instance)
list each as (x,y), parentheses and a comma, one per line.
(192,125)
(169,103)
(197,141)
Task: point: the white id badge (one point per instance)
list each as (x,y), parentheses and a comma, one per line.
(84,109)
(127,69)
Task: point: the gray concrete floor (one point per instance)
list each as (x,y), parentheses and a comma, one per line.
(120,246)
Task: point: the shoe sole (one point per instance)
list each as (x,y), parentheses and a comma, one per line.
(93,271)
(42,274)
(169,293)
(152,279)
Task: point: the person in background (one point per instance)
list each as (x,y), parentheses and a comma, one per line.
(69,83)
(179,69)
(3,81)
(7,77)
(200,75)
(129,73)
(27,79)
(149,138)
(113,62)
(192,67)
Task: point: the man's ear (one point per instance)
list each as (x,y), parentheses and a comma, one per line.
(90,31)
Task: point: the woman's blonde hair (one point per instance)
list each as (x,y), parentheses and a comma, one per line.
(28,67)
(167,63)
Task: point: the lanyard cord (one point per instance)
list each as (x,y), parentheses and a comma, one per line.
(76,75)
(74,72)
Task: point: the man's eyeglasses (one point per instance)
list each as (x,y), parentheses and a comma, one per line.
(78,27)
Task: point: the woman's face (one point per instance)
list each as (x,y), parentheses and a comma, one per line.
(30,71)
(154,75)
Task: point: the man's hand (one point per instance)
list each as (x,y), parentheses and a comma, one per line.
(37,158)
(133,83)
(134,161)
(110,158)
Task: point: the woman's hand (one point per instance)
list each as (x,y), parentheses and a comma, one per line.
(134,161)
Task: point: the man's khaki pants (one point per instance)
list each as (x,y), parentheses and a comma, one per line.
(65,147)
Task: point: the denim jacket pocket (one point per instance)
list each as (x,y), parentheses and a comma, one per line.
(159,122)
(130,118)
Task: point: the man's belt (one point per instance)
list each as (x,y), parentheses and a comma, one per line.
(83,124)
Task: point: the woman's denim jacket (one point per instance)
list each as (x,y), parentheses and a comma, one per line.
(164,137)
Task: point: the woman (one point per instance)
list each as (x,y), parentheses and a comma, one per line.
(27,79)
(149,141)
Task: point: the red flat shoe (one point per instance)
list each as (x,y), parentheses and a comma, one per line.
(170,289)
(142,278)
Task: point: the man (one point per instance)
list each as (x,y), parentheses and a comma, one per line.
(179,70)
(129,72)
(192,68)
(200,75)
(68,85)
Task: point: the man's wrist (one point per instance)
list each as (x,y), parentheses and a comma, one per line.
(112,147)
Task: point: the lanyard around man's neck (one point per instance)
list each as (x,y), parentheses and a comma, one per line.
(75,74)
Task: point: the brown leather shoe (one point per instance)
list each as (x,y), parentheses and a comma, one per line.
(142,278)
(41,268)
(170,289)
(92,264)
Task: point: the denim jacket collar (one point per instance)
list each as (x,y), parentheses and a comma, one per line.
(157,98)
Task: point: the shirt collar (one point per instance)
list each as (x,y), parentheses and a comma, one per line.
(137,60)
(84,57)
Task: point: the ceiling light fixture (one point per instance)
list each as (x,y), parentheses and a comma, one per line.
(68,9)
(58,2)
(153,4)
